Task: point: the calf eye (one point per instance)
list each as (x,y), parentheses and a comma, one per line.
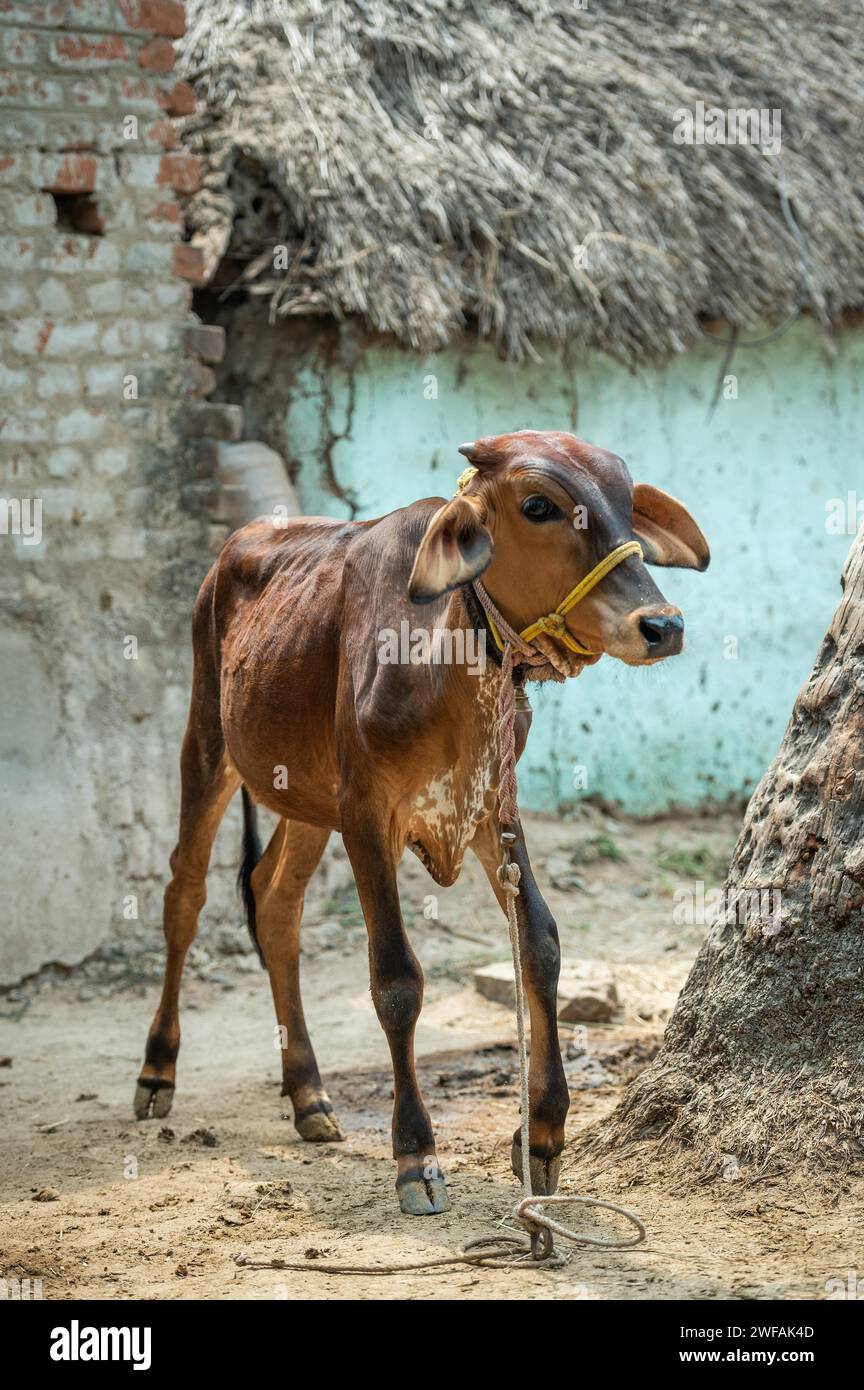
(539,508)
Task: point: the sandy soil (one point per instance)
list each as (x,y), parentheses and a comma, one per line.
(97,1206)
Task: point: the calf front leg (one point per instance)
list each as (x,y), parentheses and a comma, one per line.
(397,993)
(548,1092)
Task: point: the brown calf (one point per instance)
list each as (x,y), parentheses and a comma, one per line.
(288,676)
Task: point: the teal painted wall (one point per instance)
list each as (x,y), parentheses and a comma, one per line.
(758,478)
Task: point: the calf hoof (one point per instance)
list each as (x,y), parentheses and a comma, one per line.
(318,1125)
(423,1197)
(153,1098)
(545,1171)
(419,1195)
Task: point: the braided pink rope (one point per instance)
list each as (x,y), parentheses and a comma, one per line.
(508,810)
(540,668)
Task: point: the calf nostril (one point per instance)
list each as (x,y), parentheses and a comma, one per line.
(657,629)
(652,630)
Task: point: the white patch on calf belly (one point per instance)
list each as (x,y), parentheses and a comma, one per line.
(446,812)
(436,805)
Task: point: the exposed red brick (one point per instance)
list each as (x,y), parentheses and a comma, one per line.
(157,56)
(160,16)
(165,212)
(200,380)
(77,48)
(188,262)
(206,420)
(141,94)
(90,93)
(164,134)
(180,100)
(205,340)
(182,172)
(76,174)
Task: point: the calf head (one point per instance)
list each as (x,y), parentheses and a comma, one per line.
(540,512)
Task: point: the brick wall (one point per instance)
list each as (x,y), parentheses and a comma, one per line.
(103,372)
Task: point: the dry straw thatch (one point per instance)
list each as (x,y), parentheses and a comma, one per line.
(432,165)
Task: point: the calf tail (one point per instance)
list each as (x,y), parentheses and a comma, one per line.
(251,854)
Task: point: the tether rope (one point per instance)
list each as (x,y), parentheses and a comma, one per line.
(530,1213)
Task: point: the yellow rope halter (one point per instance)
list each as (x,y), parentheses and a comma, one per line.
(553,623)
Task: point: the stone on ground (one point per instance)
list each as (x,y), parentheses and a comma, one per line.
(586,989)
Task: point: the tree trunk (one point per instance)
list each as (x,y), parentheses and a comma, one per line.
(763,1059)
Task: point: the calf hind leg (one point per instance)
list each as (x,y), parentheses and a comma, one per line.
(208,781)
(278,886)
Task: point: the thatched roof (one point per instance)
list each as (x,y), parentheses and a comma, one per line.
(436,163)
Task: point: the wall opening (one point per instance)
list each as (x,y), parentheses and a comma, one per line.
(78,212)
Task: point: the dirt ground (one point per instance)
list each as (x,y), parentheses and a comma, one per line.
(97,1206)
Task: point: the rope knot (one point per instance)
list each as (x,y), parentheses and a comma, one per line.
(530,1220)
(509,875)
(553,623)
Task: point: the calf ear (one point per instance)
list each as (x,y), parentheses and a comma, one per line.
(667,531)
(455,549)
